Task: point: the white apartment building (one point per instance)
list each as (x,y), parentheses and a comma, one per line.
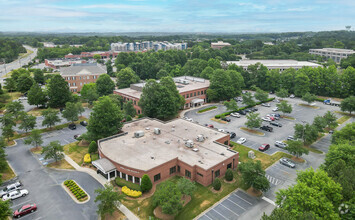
(147,45)
(335,54)
(274,64)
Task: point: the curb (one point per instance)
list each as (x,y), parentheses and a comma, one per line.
(13,144)
(71,195)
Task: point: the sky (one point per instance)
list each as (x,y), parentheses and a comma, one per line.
(230,16)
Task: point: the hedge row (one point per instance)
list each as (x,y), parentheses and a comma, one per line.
(242,108)
(121,182)
(131,193)
(207,109)
(75,189)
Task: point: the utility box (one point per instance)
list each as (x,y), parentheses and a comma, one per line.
(189,143)
(200,138)
(138,134)
(157,131)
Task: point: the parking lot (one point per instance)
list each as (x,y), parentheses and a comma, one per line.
(232,207)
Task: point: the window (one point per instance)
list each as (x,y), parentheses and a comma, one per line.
(135,102)
(229,165)
(194,93)
(157,177)
(123,176)
(80,77)
(136,179)
(187,174)
(191,94)
(74,84)
(172,170)
(217,173)
(198,93)
(202,92)
(178,169)
(199,174)
(81,84)
(88,77)
(187,95)
(69,84)
(130,178)
(139,111)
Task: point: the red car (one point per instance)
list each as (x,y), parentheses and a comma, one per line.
(264,147)
(24,210)
(210,126)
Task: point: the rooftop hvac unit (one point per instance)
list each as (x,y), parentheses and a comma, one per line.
(200,138)
(195,149)
(138,134)
(157,131)
(189,143)
(185,82)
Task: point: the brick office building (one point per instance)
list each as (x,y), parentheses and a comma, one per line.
(164,149)
(193,89)
(78,75)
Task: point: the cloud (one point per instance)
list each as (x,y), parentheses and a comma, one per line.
(300,9)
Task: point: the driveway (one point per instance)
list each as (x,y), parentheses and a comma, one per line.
(44,184)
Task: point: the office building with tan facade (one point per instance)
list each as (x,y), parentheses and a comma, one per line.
(165,149)
(193,89)
(78,75)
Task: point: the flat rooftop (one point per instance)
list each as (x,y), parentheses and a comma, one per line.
(274,63)
(152,149)
(83,69)
(183,84)
(338,50)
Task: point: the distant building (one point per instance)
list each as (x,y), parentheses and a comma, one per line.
(193,89)
(78,75)
(58,63)
(165,149)
(274,64)
(333,53)
(147,45)
(103,54)
(218,45)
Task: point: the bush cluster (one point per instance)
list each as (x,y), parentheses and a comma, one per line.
(87,158)
(217,184)
(207,109)
(75,189)
(242,108)
(121,182)
(229,174)
(131,193)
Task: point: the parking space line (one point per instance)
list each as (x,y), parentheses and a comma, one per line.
(21,203)
(229,209)
(219,213)
(242,199)
(66,141)
(207,216)
(235,204)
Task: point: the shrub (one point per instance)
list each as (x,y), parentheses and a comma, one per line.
(92,147)
(128,118)
(121,182)
(131,193)
(229,175)
(207,109)
(217,184)
(87,158)
(146,183)
(140,116)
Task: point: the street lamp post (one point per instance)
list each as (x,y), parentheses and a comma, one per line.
(303,129)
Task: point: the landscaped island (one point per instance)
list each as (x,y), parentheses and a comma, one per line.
(76,190)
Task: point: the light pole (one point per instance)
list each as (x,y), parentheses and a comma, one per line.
(3,59)
(303,129)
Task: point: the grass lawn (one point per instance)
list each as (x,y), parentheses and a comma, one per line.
(76,152)
(62,164)
(343,119)
(345,113)
(117,215)
(313,150)
(38,111)
(207,109)
(252,131)
(7,174)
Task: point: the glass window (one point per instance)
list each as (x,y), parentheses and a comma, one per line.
(136,179)
(229,165)
(217,173)
(130,178)
(187,174)
(199,174)
(198,93)
(123,176)
(178,169)
(191,94)
(157,177)
(187,95)
(173,170)
(194,93)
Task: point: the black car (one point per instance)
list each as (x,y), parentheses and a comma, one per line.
(266,128)
(274,123)
(248,110)
(242,112)
(226,119)
(84,123)
(72,126)
(232,135)
(254,109)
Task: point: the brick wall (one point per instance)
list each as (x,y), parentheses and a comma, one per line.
(77,82)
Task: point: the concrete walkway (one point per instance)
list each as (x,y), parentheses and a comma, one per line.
(130,215)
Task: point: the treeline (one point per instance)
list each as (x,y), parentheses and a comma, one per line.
(10,50)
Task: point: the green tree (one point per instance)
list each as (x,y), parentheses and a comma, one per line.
(229,174)
(217,184)
(309,98)
(28,122)
(168,197)
(319,123)
(58,91)
(129,109)
(3,162)
(15,108)
(307,133)
(109,69)
(5,210)
(92,147)
(8,132)
(339,44)
(254,121)
(71,112)
(296,148)
(186,186)
(97,57)
(248,99)
(348,104)
(301,84)
(10,84)
(35,138)
(330,119)
(261,95)
(105,119)
(36,96)
(38,76)
(283,214)
(162,73)
(207,73)
(24,83)
(146,183)
(282,93)
(221,86)
(284,107)
(50,117)
(89,93)
(108,199)
(345,135)
(126,77)
(54,150)
(104,85)
(232,105)
(7,120)
(254,176)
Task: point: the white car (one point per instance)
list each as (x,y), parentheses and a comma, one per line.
(10,188)
(221,130)
(292,96)
(235,114)
(241,141)
(15,194)
(266,104)
(280,144)
(188,119)
(275,109)
(266,119)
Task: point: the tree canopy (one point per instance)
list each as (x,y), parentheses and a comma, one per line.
(58,91)
(104,85)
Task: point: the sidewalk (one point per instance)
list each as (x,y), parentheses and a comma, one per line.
(130,215)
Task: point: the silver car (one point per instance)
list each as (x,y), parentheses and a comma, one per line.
(15,194)
(287,162)
(280,144)
(10,188)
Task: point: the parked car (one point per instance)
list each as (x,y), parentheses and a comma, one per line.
(248,110)
(188,119)
(221,130)
(280,144)
(266,119)
(266,104)
(15,194)
(254,109)
(275,109)
(241,141)
(210,126)
(226,119)
(235,114)
(271,118)
(292,96)
(242,112)
(264,147)
(331,131)
(10,188)
(275,115)
(274,123)
(266,128)
(287,162)
(24,210)
(72,126)
(76,136)
(84,123)
(232,135)
(290,138)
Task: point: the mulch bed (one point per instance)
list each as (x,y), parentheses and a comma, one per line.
(233,181)
(254,193)
(215,191)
